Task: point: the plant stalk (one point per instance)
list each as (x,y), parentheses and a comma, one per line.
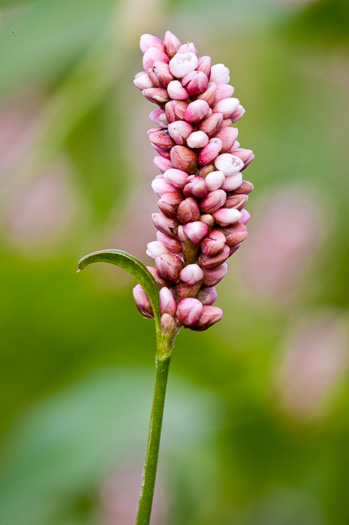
(162,364)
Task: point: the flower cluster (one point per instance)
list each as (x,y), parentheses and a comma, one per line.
(202,195)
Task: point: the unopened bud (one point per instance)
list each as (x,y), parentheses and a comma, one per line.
(228,136)
(212,124)
(152,55)
(168,204)
(220,74)
(142,81)
(207,295)
(236,201)
(168,326)
(212,262)
(142,301)
(191,274)
(204,65)
(167,303)
(246,155)
(188,211)
(187,48)
(172,44)
(210,315)
(223,91)
(159,117)
(147,41)
(238,113)
(196,187)
(197,139)
(213,277)
(245,216)
(161,186)
(171,243)
(209,94)
(162,140)
(164,224)
(226,216)
(177,91)
(213,201)
(196,231)
(210,152)
(156,95)
(232,182)
(227,122)
(160,74)
(159,280)
(175,110)
(155,248)
(246,187)
(226,106)
(162,163)
(213,244)
(184,159)
(189,311)
(229,164)
(182,64)
(195,82)
(177,178)
(180,131)
(235,234)
(169,266)
(214,180)
(196,111)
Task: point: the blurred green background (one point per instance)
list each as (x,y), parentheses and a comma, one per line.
(256,428)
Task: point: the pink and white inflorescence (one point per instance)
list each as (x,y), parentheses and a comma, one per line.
(202,220)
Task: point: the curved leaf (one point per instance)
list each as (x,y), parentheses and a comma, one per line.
(134,267)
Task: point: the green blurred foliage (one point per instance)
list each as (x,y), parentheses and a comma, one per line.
(76,357)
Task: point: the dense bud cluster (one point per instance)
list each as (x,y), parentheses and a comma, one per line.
(202,220)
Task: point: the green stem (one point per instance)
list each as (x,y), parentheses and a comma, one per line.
(162,364)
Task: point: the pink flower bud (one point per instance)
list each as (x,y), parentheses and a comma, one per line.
(196,111)
(246,187)
(212,262)
(246,155)
(159,280)
(220,74)
(164,224)
(147,41)
(162,164)
(175,110)
(238,113)
(161,151)
(245,216)
(212,124)
(176,91)
(204,65)
(168,325)
(159,117)
(176,177)
(152,55)
(168,204)
(142,81)
(196,187)
(188,211)
(167,303)
(210,152)
(160,74)
(184,159)
(235,234)
(235,146)
(236,201)
(213,277)
(227,122)
(169,266)
(162,140)
(142,301)
(207,295)
(213,244)
(182,64)
(196,231)
(207,219)
(172,244)
(156,95)
(209,94)
(203,171)
(228,136)
(195,83)
(214,180)
(226,216)
(233,249)
(189,311)
(197,139)
(172,44)
(223,91)
(187,48)
(191,274)
(229,164)
(213,201)
(180,131)
(210,315)
(226,106)
(232,182)
(155,248)
(161,186)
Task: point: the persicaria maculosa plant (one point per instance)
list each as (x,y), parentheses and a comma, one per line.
(202,220)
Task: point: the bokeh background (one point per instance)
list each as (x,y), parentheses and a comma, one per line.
(256,428)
